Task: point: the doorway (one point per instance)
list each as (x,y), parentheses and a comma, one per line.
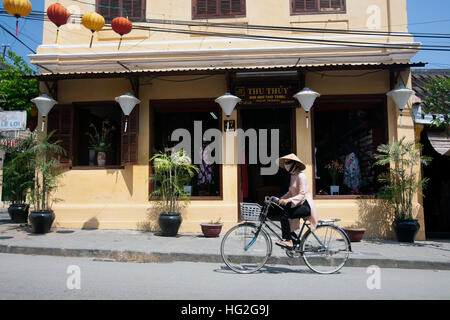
(253,186)
(436,200)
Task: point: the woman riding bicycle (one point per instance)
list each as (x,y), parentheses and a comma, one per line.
(297,202)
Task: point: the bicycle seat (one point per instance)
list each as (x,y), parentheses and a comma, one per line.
(328,221)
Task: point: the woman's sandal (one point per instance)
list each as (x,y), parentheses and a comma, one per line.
(284,246)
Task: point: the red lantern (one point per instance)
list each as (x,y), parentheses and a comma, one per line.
(121,26)
(58,15)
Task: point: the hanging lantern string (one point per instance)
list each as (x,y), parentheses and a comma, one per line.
(92,38)
(17,9)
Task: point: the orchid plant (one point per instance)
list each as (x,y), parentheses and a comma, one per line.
(100,140)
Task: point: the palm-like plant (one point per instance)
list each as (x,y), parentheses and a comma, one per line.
(172,173)
(18,172)
(47,169)
(401,181)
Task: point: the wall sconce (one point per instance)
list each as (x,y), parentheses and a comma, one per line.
(401,96)
(44,104)
(306,98)
(127,102)
(228,102)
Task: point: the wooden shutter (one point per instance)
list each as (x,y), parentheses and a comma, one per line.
(129,141)
(135,9)
(62,119)
(217,8)
(205,8)
(331,5)
(232,7)
(102,8)
(317,6)
(304,6)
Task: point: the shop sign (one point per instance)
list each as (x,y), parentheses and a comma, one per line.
(13,120)
(266,94)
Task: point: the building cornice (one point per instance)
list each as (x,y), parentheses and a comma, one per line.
(229,57)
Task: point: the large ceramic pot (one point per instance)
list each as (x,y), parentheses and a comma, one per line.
(406,230)
(18,213)
(169,223)
(211,230)
(41,221)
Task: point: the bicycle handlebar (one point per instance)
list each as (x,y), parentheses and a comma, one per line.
(271,199)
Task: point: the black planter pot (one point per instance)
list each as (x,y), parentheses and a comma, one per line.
(169,224)
(41,221)
(406,230)
(18,213)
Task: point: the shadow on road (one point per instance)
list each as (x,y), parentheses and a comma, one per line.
(266,269)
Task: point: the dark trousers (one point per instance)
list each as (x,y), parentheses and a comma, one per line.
(301,211)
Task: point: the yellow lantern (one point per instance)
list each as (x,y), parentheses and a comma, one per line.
(17,8)
(94,22)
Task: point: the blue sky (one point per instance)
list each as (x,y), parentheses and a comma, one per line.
(423,16)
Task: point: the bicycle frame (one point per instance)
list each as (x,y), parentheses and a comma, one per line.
(266,222)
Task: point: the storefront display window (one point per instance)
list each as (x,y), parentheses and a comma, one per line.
(347,132)
(171,116)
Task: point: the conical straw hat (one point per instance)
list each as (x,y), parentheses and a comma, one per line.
(291,157)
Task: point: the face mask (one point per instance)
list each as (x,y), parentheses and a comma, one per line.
(289,167)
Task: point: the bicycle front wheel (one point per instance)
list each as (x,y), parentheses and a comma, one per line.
(244,249)
(326,249)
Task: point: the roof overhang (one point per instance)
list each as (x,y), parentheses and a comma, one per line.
(220,70)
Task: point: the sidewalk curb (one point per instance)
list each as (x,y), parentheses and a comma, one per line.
(163,257)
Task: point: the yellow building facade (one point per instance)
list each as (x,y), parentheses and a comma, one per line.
(178,59)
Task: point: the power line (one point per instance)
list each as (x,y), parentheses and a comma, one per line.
(42,14)
(14,36)
(358,44)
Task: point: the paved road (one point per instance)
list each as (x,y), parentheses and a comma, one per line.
(45,277)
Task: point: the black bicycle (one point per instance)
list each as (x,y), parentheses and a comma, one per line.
(246,247)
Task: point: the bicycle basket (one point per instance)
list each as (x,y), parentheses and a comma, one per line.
(250,211)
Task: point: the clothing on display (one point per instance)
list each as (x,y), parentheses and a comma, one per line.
(352,172)
(206,170)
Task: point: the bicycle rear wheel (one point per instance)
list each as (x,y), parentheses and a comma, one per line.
(243,250)
(326,249)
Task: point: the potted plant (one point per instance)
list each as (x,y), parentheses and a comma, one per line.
(18,174)
(172,172)
(47,170)
(354,234)
(334,169)
(401,183)
(212,228)
(100,141)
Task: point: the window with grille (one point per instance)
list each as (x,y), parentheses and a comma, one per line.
(110,9)
(317,6)
(217,8)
